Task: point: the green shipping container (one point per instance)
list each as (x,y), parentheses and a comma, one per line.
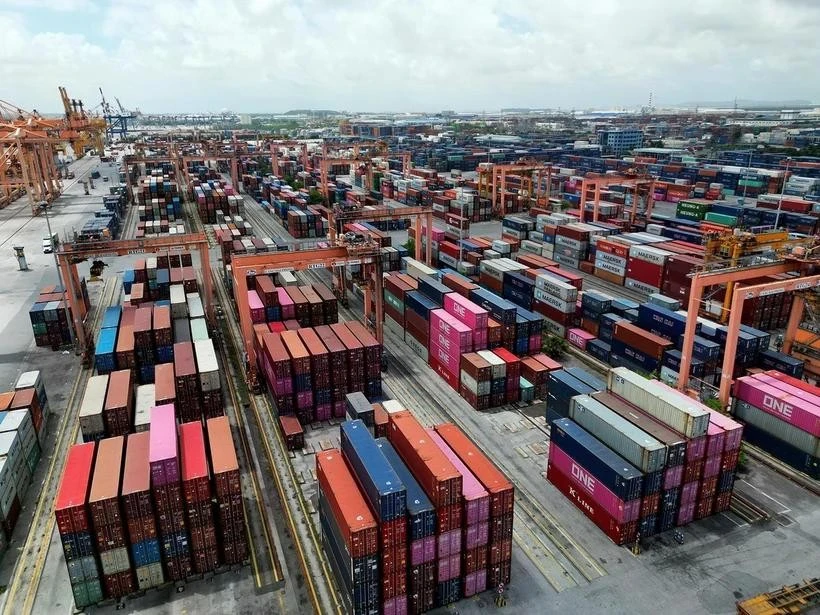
(87,593)
(721,219)
(393,301)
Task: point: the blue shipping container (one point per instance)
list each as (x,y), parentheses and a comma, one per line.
(420,304)
(433,289)
(617,474)
(380,483)
(111,317)
(421,513)
(782,450)
(660,321)
(500,309)
(104,359)
(358,407)
(145,552)
(771,359)
(599,349)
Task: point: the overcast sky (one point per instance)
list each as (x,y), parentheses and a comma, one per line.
(406,55)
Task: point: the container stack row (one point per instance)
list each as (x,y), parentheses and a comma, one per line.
(159,205)
(309,370)
(781,415)
(135,512)
(276,302)
(50,316)
(639,457)
(154,276)
(414,521)
(212,196)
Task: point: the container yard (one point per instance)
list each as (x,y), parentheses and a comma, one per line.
(399,366)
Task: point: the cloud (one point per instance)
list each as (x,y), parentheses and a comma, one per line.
(266,55)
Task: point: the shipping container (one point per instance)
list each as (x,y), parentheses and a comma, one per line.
(92,425)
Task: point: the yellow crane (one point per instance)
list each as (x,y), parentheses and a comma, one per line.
(788,600)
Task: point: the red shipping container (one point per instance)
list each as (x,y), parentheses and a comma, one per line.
(648,343)
(643,271)
(319,358)
(350,510)
(185,374)
(163,335)
(164,384)
(474,560)
(372,348)
(196,489)
(437,476)
(119,404)
(650,504)
(103,499)
(618,533)
(437,366)
(120,584)
(138,505)
(71,504)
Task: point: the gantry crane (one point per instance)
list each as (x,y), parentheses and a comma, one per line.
(365,254)
(70,254)
(116,124)
(594,183)
(788,600)
(703,279)
(27,162)
(492,180)
(81,129)
(275,147)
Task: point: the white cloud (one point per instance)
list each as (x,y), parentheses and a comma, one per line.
(426,55)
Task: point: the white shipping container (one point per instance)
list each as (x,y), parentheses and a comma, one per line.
(494,268)
(12,449)
(393,405)
(533,247)
(569,242)
(640,286)
(146,399)
(500,246)
(32,380)
(610,259)
(636,446)
(179,304)
(199,329)
(801,440)
(556,287)
(565,307)
(491,254)
(649,254)
(670,407)
(207,365)
(417,347)
(498,367)
(416,268)
(150,576)
(287,278)
(19,421)
(508,232)
(669,376)
(472,385)
(195,309)
(609,268)
(547,250)
(8,489)
(91,408)
(114,560)
(554,328)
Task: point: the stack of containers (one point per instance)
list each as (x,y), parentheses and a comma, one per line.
(475,529)
(338,377)
(417,323)
(209,379)
(320,372)
(104,359)
(372,358)
(140,513)
(30,394)
(471,315)
(109,530)
(145,400)
(144,344)
(187,382)
(233,538)
(302,377)
(512,374)
(92,425)
(644,270)
(498,377)
(118,411)
(163,334)
(475,380)
(74,526)
(501,501)
(449,339)
(442,483)
(350,535)
(733,437)
(599,483)
(196,489)
(355,357)
(15,467)
(781,416)
(167,491)
(19,422)
(357,407)
(387,497)
(611,257)
(640,449)
(421,535)
(555,299)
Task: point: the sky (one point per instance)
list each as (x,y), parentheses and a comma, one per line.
(257,56)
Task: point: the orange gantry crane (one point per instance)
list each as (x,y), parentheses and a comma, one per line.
(704,279)
(492,179)
(276,147)
(365,254)
(594,183)
(69,255)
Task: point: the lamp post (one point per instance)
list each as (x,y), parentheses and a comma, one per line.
(782,191)
(44,207)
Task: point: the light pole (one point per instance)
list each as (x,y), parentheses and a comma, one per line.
(44,207)
(782,191)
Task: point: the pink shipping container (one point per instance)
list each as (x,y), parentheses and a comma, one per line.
(476,498)
(423,550)
(288,307)
(449,543)
(789,408)
(788,387)
(466,311)
(579,338)
(686,513)
(475,583)
(620,511)
(715,440)
(395,606)
(449,567)
(673,477)
(476,535)
(689,493)
(480,339)
(450,326)
(163,446)
(256,307)
(447,344)
(712,466)
(449,359)
(695,448)
(733,430)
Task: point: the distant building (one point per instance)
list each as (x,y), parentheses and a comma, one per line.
(244,119)
(619,141)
